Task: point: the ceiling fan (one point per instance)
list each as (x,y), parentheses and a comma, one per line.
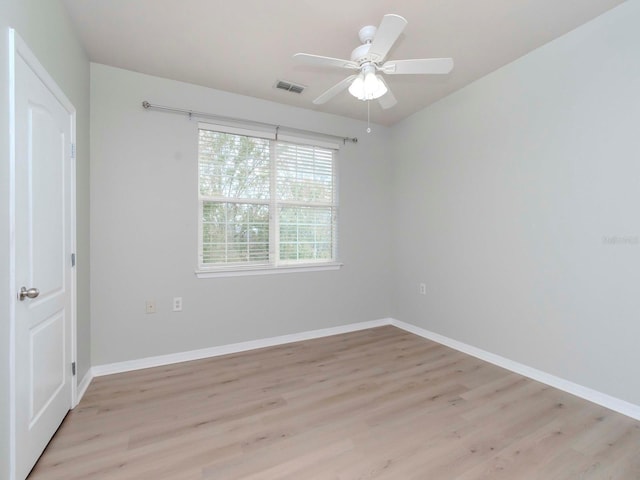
(369,60)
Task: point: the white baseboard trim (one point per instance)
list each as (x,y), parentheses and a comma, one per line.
(83,385)
(161,360)
(594,396)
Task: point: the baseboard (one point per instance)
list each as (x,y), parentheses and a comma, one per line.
(594,396)
(83,385)
(161,360)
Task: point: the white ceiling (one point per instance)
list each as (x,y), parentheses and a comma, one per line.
(244,46)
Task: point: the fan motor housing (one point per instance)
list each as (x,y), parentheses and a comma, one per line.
(366,34)
(360,54)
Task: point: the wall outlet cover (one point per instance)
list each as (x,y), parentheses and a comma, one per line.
(150,306)
(177,304)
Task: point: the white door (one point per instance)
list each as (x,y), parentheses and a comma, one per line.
(43,245)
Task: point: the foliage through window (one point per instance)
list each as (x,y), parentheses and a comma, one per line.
(264,202)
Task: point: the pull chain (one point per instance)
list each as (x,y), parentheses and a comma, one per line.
(368,116)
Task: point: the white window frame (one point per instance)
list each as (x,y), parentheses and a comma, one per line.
(274,266)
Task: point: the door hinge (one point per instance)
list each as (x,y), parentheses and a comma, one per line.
(73,259)
(73,368)
(73,150)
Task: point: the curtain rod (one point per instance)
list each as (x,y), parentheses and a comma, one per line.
(193,113)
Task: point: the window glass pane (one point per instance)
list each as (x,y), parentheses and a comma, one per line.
(306,233)
(305,173)
(233,166)
(235,233)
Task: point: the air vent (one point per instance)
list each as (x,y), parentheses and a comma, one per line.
(289,87)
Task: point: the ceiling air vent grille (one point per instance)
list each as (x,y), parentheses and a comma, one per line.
(289,87)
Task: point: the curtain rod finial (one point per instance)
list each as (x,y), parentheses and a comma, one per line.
(146,104)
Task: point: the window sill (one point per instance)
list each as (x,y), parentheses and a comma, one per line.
(240,271)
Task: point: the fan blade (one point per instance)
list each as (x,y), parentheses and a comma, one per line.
(324,61)
(333,91)
(418,66)
(388,32)
(388,100)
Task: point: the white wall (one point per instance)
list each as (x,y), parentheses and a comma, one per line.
(46,29)
(508,196)
(144,227)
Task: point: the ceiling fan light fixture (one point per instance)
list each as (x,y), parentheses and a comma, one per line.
(357,87)
(367,86)
(374,87)
(370,59)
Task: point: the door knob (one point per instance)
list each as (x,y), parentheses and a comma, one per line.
(30,293)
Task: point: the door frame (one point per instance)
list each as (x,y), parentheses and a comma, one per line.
(18,48)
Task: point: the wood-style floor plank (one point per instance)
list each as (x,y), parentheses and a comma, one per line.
(375,404)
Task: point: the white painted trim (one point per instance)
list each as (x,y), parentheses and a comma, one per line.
(83,385)
(240,271)
(74,249)
(594,396)
(161,360)
(30,59)
(12,254)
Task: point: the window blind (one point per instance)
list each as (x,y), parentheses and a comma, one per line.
(264,202)
(305,182)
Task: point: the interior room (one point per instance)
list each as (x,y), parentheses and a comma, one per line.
(468,306)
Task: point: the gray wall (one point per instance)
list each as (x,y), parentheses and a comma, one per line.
(144,227)
(517,202)
(45,28)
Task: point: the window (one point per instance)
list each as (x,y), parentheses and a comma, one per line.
(264,204)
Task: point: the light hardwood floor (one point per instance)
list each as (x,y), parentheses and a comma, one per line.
(374,404)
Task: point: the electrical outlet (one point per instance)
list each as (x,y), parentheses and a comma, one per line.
(150,306)
(423,288)
(177,304)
